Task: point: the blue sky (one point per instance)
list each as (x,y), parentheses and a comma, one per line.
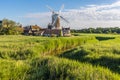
(21,10)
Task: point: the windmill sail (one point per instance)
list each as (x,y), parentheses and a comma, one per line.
(64,19)
(62,7)
(50,8)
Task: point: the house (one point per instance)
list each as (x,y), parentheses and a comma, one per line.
(52,32)
(57,32)
(36,30)
(31,30)
(66,31)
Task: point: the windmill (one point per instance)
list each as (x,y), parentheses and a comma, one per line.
(56,17)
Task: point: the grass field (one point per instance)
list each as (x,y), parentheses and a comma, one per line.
(81,57)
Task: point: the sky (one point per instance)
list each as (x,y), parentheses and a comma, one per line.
(80,13)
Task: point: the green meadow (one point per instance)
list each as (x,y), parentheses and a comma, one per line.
(80,57)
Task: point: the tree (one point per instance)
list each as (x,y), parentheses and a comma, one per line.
(10,27)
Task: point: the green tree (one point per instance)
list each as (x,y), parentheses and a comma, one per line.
(10,27)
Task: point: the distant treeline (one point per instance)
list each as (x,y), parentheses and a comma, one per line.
(115,30)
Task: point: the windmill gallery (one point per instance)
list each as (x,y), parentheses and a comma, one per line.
(53,29)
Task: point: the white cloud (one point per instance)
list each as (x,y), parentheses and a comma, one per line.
(89,16)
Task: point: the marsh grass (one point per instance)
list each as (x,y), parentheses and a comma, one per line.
(36,58)
(103,53)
